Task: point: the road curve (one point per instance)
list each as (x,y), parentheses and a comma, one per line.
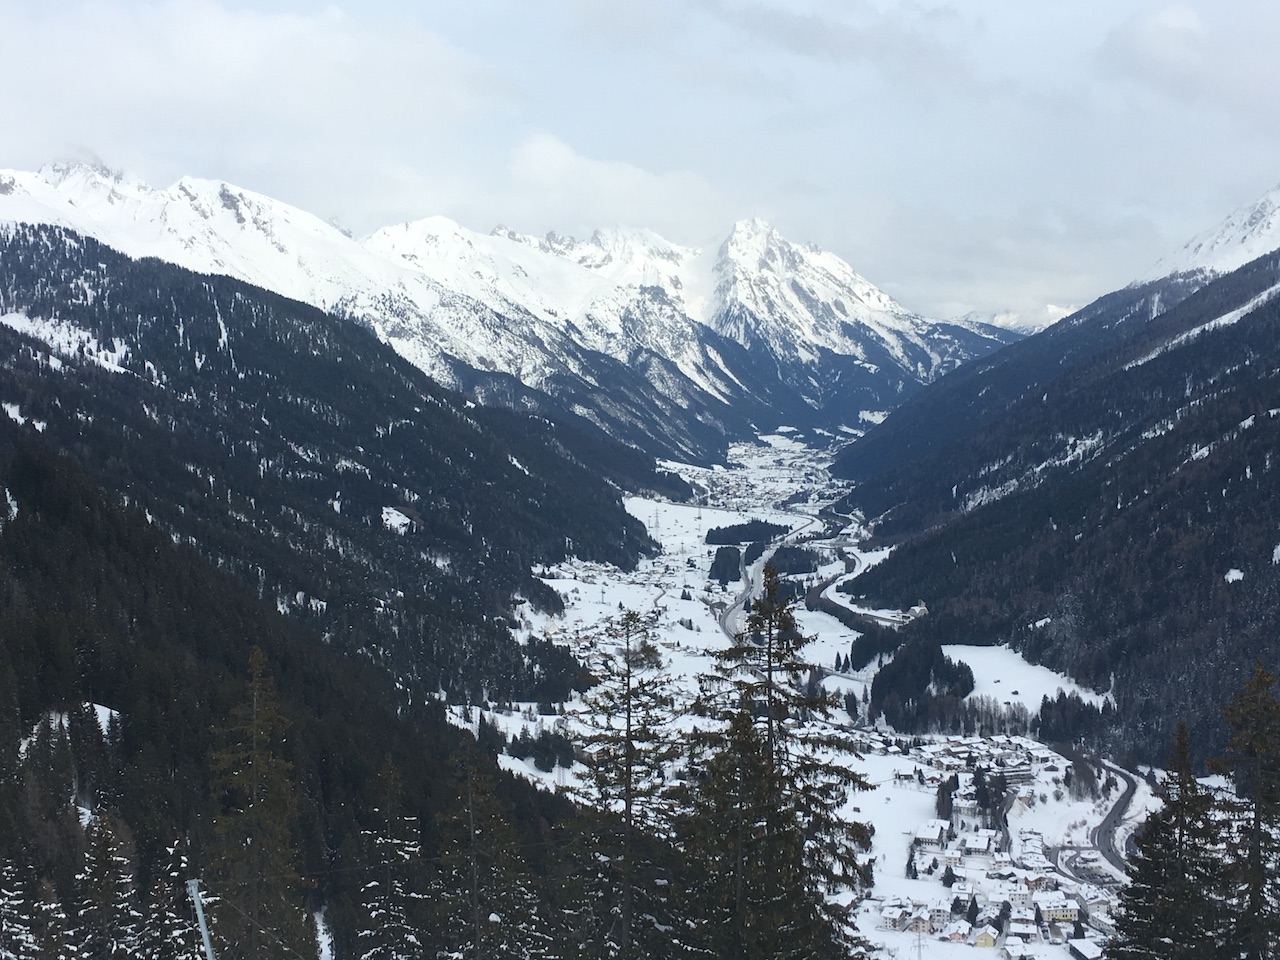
(1104,834)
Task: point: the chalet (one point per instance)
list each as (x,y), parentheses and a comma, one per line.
(1085,949)
(893,918)
(919,921)
(1016,948)
(940,914)
(957,931)
(978,844)
(1037,882)
(932,835)
(985,937)
(1053,906)
(1022,923)
(1102,922)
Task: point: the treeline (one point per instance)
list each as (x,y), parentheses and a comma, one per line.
(918,685)
(727,565)
(795,561)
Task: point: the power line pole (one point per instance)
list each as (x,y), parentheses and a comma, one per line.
(193,888)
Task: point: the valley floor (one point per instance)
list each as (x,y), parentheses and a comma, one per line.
(1046,853)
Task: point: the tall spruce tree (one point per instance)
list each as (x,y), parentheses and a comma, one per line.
(1175,906)
(18,939)
(259,908)
(110,922)
(484,898)
(169,930)
(392,930)
(391,895)
(775,796)
(57,935)
(1253,853)
(629,715)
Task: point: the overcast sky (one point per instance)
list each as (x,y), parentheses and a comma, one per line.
(985,154)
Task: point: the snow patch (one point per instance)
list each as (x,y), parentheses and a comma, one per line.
(1233,575)
(395,521)
(1002,674)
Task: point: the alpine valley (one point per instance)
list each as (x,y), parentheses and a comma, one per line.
(453,594)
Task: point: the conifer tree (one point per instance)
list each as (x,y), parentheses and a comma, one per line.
(169,930)
(1173,907)
(484,899)
(629,713)
(110,923)
(776,795)
(259,893)
(57,935)
(390,896)
(1253,854)
(18,939)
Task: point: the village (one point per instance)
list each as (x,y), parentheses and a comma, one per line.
(979,882)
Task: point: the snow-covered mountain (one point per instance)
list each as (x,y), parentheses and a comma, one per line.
(1246,234)
(673,348)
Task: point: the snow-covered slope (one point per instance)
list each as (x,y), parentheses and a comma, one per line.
(640,335)
(1246,234)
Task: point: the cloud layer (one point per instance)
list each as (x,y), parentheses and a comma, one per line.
(993,156)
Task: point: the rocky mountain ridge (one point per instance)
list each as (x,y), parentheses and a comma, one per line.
(672,349)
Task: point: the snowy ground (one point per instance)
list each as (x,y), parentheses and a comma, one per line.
(1000,673)
(762,478)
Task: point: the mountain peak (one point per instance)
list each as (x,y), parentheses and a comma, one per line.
(1246,234)
(59,172)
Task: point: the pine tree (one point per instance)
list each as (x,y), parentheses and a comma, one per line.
(110,923)
(629,713)
(772,795)
(169,930)
(1173,907)
(18,939)
(1253,759)
(483,896)
(57,935)
(259,893)
(390,897)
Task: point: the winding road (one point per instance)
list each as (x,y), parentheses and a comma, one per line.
(1104,834)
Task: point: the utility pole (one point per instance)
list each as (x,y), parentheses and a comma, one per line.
(193,888)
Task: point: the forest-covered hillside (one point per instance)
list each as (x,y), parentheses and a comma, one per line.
(1119,522)
(299,453)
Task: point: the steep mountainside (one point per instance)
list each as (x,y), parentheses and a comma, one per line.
(669,348)
(299,452)
(126,684)
(1118,521)
(941,420)
(1245,235)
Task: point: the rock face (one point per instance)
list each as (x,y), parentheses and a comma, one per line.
(673,349)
